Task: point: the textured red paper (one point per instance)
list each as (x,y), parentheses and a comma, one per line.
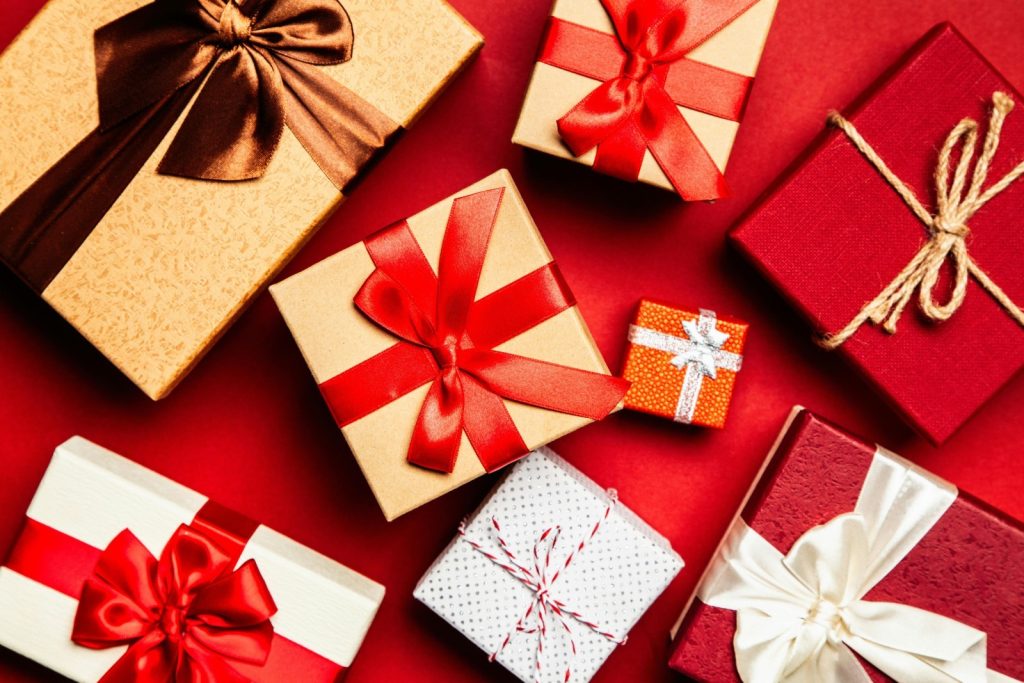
(834,233)
(969,567)
(250,429)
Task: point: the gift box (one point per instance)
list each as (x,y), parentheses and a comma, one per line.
(648,91)
(120,573)
(436,379)
(550,573)
(849,563)
(113,145)
(683,365)
(890,261)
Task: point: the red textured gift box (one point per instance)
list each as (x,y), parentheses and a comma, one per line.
(834,233)
(969,566)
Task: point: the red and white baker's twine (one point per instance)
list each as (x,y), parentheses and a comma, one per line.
(540,581)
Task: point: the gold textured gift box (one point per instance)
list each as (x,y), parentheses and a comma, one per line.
(553,92)
(334,337)
(175,260)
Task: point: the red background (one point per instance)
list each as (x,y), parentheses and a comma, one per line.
(248,426)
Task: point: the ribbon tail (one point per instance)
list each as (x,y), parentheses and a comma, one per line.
(338,129)
(489,427)
(437,435)
(146,661)
(43,228)
(678,151)
(591,395)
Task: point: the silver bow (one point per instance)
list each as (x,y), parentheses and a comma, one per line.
(802,616)
(700,354)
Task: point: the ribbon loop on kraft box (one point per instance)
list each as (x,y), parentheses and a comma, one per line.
(189,616)
(546,613)
(447,340)
(645,74)
(249,68)
(957,201)
(699,354)
(802,616)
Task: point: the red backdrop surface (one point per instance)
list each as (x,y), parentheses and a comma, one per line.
(249,428)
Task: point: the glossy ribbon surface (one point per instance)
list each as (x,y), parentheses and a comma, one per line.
(249,68)
(447,340)
(802,616)
(645,74)
(185,617)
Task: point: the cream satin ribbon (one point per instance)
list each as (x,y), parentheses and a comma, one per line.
(800,617)
(700,354)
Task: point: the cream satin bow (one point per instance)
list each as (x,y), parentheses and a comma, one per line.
(802,616)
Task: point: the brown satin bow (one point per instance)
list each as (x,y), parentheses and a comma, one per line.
(256,58)
(252,67)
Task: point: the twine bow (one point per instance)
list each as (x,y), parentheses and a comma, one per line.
(948,229)
(546,609)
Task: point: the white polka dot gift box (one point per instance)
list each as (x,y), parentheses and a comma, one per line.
(550,573)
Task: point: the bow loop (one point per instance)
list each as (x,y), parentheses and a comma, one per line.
(185,617)
(314,32)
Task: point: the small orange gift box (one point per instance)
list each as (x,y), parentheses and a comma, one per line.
(683,365)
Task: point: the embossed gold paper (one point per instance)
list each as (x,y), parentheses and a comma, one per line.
(175,260)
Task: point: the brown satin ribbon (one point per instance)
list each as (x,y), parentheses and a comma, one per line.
(251,67)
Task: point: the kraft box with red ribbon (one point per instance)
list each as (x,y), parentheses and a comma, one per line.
(652,90)
(898,234)
(550,574)
(849,563)
(448,345)
(121,575)
(161,161)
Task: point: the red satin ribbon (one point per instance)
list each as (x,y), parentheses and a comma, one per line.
(65,564)
(447,339)
(645,74)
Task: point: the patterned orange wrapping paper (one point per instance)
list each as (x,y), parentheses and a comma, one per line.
(683,365)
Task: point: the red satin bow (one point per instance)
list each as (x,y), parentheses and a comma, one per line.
(645,75)
(448,339)
(185,618)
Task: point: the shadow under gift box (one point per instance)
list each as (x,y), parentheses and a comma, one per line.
(175,260)
(335,337)
(969,566)
(833,233)
(90,495)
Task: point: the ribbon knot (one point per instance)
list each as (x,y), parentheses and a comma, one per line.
(235,27)
(829,616)
(186,617)
(637,67)
(957,201)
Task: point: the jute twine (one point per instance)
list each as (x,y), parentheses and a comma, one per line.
(947,229)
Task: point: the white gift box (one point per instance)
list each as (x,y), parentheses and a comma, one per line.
(92,494)
(503,586)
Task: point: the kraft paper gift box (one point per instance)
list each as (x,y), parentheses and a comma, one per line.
(683,365)
(148,262)
(548,529)
(83,567)
(656,94)
(387,392)
(835,202)
(913,580)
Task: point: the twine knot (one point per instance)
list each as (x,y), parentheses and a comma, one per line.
(235,28)
(957,201)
